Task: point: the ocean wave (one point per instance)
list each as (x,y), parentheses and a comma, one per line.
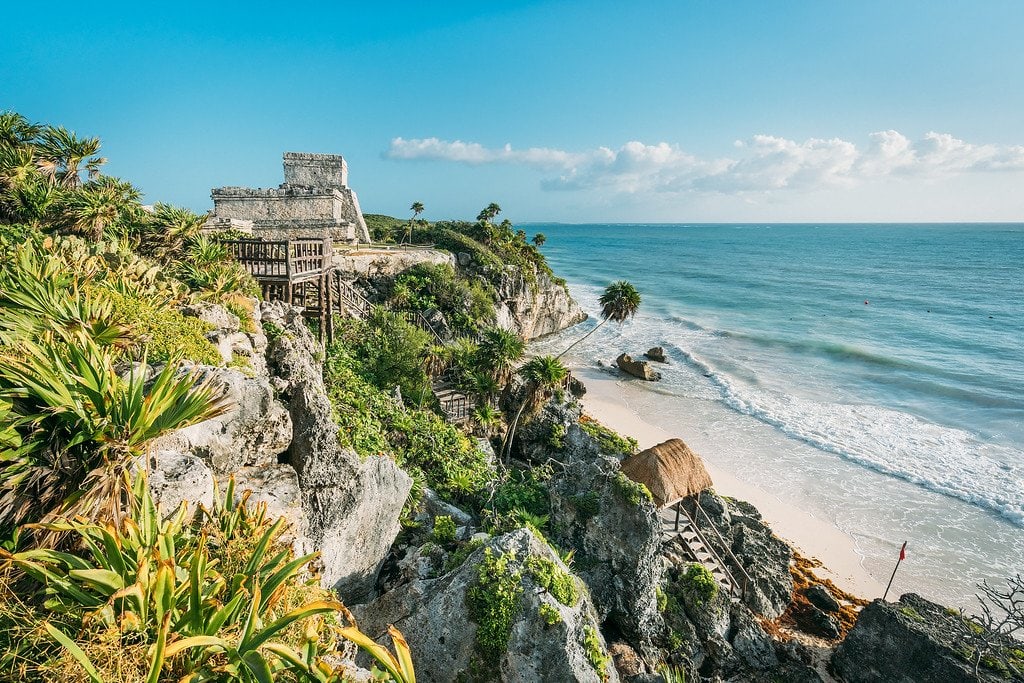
(942,459)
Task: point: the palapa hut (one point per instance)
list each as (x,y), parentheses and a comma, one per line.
(670,470)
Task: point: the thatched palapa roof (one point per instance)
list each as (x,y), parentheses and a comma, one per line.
(670,470)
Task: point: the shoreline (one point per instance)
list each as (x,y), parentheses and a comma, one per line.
(812,537)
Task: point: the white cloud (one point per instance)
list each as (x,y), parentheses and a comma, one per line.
(765,163)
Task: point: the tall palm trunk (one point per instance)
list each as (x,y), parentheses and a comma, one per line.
(581,339)
(506,447)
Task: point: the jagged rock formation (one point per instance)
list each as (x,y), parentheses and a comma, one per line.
(637,368)
(382,262)
(615,537)
(656,353)
(535,310)
(433,615)
(351,505)
(279,441)
(908,641)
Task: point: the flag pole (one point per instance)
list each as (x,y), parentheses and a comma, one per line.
(903,555)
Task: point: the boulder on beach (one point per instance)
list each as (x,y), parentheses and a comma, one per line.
(637,368)
(656,353)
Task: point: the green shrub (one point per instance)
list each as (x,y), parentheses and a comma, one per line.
(596,654)
(466,303)
(662,599)
(444,530)
(632,492)
(587,504)
(609,441)
(699,584)
(549,614)
(494,604)
(164,332)
(561,584)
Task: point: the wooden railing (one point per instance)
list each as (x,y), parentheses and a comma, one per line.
(456,407)
(741,588)
(747,580)
(282,260)
(351,298)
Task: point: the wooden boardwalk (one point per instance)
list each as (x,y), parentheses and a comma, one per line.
(301,272)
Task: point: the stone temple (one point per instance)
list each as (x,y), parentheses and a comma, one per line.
(313,201)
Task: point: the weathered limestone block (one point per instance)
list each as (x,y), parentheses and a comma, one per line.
(254,430)
(637,368)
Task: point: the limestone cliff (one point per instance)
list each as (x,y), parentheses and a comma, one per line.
(535,309)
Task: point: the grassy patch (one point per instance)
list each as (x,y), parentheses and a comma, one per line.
(632,492)
(547,575)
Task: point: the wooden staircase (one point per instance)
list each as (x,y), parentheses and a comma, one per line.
(683,540)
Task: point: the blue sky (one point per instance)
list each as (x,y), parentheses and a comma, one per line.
(564,111)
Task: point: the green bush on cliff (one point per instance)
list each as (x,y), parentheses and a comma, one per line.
(164,331)
(551,578)
(493,604)
(632,492)
(609,441)
(596,654)
(372,422)
(466,303)
(699,584)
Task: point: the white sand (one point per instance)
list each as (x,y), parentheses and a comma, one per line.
(813,537)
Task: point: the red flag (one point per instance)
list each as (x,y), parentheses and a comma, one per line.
(903,551)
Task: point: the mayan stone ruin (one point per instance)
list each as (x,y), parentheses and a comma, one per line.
(313,201)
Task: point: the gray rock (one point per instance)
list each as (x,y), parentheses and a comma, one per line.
(762,555)
(213,314)
(464,259)
(911,641)
(656,353)
(751,643)
(177,478)
(352,505)
(254,431)
(534,311)
(637,368)
(821,598)
(617,543)
(434,506)
(277,486)
(433,616)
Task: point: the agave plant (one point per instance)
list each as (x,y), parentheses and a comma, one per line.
(159,581)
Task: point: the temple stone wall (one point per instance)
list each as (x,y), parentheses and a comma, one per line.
(315,170)
(314,201)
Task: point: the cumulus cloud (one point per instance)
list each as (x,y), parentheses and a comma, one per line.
(763,163)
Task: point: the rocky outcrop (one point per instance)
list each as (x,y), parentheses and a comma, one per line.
(351,505)
(377,262)
(535,309)
(548,640)
(911,641)
(254,431)
(656,353)
(637,368)
(612,529)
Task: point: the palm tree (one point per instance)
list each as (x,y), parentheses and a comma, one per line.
(619,302)
(62,154)
(489,213)
(91,211)
(542,375)
(417,209)
(15,129)
(539,239)
(498,351)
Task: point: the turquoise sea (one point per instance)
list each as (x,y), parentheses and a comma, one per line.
(873,373)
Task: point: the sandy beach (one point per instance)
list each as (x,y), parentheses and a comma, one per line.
(813,537)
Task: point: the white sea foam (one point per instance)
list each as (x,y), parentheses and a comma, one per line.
(943,459)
